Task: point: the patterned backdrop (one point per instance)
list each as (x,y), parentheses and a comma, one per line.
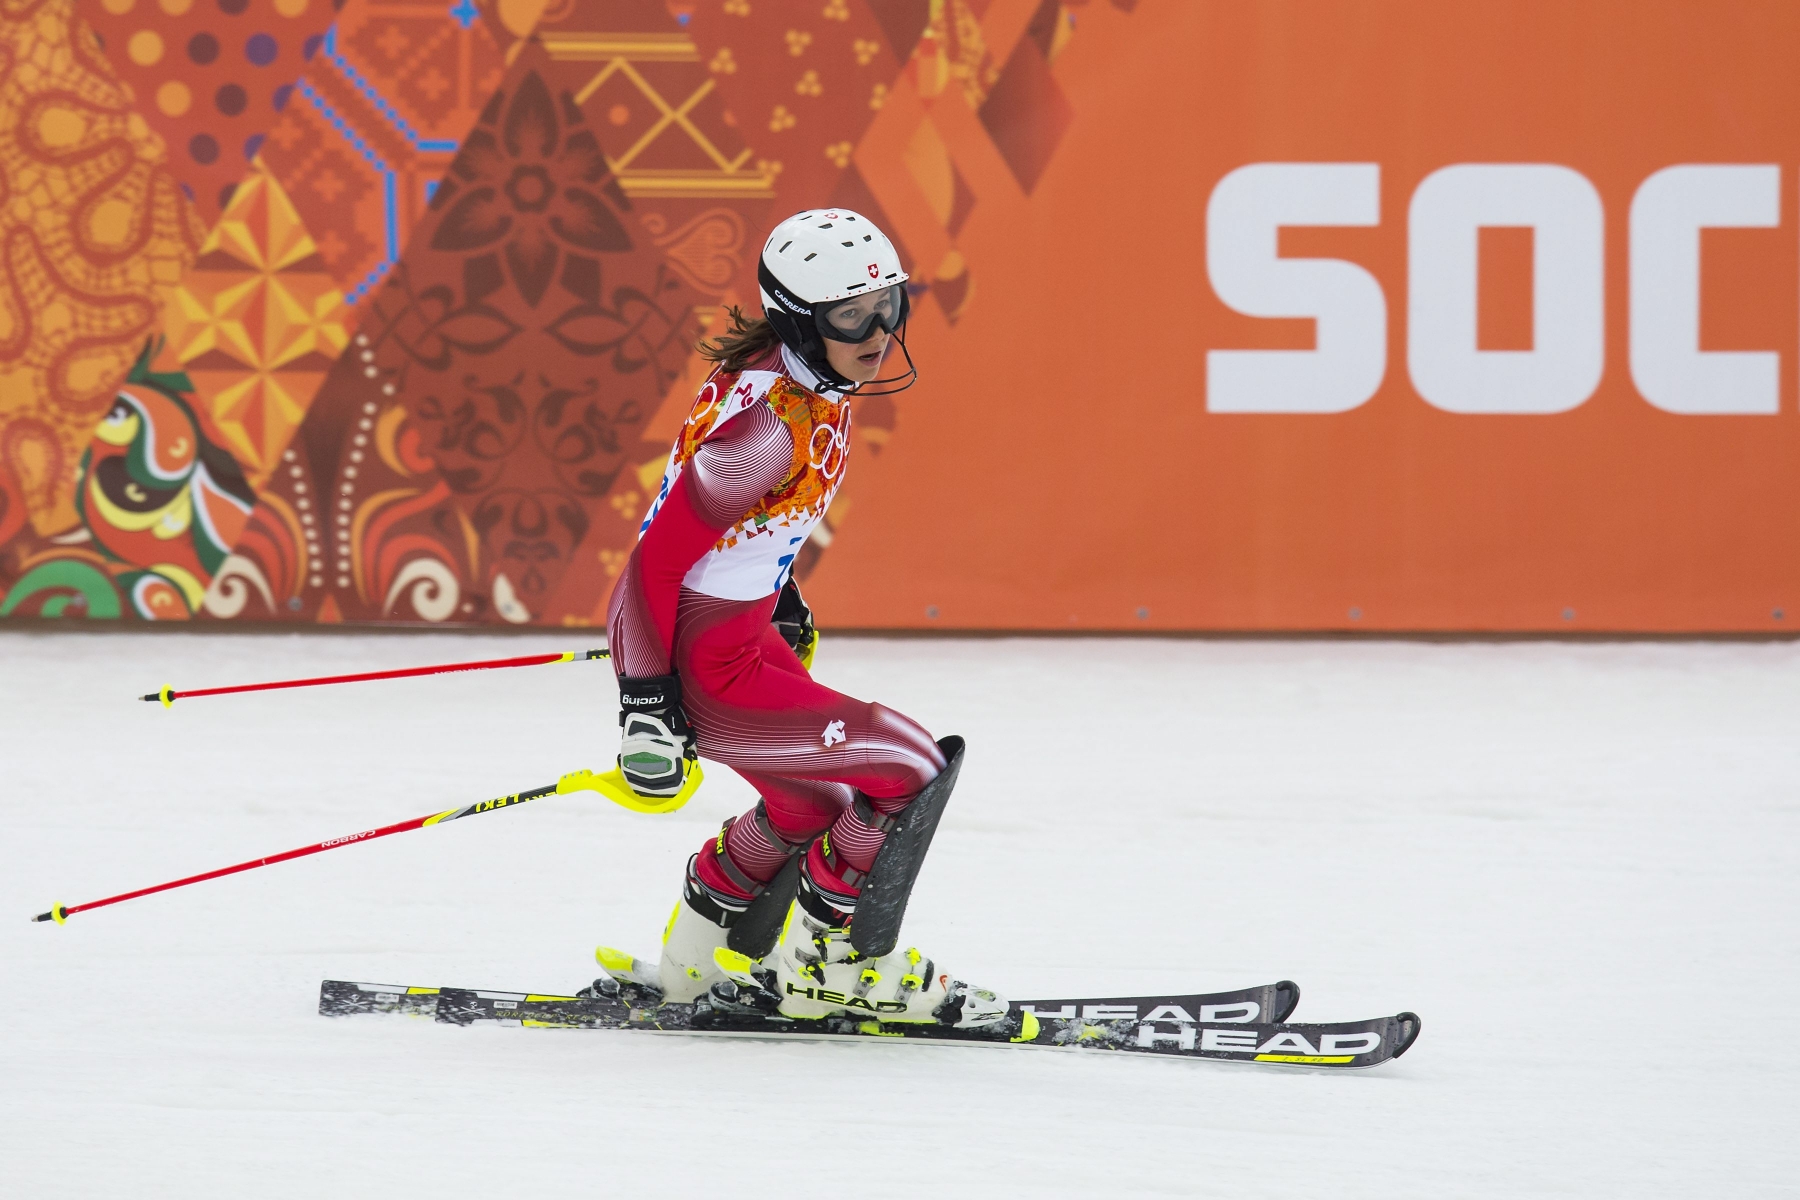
(363,310)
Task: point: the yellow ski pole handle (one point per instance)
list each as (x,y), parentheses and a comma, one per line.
(610,784)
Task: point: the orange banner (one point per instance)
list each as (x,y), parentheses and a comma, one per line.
(1230,314)
(1324,315)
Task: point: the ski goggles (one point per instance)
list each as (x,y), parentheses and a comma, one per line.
(854,320)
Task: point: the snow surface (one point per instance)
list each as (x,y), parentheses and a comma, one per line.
(1575,861)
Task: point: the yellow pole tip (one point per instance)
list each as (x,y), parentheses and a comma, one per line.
(59,914)
(167,696)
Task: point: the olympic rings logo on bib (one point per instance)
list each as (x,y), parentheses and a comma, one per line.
(828,459)
(708,397)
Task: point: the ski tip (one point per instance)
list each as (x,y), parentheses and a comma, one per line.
(1287,999)
(1409,1032)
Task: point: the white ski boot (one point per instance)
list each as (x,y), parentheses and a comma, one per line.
(687,969)
(818,974)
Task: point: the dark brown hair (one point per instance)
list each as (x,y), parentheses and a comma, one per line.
(745,343)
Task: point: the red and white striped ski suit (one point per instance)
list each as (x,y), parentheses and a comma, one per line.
(752,471)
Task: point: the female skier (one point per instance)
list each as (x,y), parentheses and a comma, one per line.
(711,642)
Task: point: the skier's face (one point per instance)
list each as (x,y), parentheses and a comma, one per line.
(861,361)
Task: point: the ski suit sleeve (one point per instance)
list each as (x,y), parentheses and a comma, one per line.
(737,466)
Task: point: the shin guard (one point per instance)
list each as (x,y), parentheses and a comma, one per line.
(875,929)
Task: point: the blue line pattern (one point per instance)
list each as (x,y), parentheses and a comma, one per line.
(379,101)
(387,174)
(390,182)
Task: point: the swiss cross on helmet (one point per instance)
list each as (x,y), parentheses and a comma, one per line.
(828,274)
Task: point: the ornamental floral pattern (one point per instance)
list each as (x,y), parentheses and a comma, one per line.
(526,190)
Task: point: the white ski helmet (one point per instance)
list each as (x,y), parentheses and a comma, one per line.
(829,273)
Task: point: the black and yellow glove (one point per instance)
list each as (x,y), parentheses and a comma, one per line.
(794,621)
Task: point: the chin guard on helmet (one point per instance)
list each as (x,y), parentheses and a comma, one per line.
(903,380)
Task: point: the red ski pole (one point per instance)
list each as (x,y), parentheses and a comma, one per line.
(610,784)
(60,913)
(169,695)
